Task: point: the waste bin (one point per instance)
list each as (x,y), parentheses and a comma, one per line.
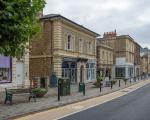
(64,86)
(81,87)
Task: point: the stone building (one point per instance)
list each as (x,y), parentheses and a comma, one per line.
(105,54)
(65,48)
(144,64)
(126,52)
(144,53)
(14,73)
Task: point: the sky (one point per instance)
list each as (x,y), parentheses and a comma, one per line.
(128,17)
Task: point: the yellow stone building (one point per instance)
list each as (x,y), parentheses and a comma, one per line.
(126,55)
(105,60)
(64,48)
(144,64)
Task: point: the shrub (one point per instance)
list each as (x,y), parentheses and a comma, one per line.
(114,82)
(39,92)
(98,80)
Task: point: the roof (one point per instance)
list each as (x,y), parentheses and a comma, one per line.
(51,16)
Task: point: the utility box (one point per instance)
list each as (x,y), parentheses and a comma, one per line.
(81,87)
(64,85)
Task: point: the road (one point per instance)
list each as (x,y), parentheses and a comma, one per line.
(131,103)
(133,106)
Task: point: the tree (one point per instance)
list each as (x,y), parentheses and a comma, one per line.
(18,24)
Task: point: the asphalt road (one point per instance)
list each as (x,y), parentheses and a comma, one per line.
(133,106)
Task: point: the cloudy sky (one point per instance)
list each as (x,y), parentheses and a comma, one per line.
(126,16)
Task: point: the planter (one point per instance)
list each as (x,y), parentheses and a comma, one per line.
(97,85)
(39,92)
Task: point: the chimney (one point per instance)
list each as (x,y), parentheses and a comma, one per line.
(109,34)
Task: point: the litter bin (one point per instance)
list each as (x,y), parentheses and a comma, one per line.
(81,87)
(64,86)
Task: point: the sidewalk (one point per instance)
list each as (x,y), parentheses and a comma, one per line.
(21,105)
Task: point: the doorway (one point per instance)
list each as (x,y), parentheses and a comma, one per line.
(42,82)
(19,73)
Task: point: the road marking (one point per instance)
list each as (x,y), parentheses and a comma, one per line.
(61,112)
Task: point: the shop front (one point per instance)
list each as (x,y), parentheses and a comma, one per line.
(13,73)
(78,70)
(123,71)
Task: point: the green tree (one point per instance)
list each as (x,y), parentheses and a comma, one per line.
(18,24)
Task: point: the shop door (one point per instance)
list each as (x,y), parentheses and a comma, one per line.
(19,74)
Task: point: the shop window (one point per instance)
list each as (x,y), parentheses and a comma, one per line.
(120,72)
(90,71)
(5,69)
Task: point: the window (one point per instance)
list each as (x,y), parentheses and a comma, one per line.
(80,45)
(130,72)
(90,71)
(120,72)
(103,54)
(90,47)
(5,69)
(69,42)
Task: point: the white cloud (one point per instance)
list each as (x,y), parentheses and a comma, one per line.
(127,16)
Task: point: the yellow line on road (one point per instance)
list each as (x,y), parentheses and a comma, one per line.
(57,113)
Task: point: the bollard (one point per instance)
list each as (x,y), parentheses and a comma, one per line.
(111,84)
(59,91)
(125,81)
(119,83)
(134,79)
(84,89)
(100,86)
(130,80)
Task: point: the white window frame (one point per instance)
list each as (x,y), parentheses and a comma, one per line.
(69,45)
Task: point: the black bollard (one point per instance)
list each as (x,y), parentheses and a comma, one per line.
(111,84)
(100,86)
(125,81)
(84,89)
(58,92)
(130,80)
(119,83)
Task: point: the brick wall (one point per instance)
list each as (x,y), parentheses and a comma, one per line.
(40,52)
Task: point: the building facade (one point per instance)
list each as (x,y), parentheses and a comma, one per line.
(144,64)
(14,73)
(65,48)
(125,52)
(144,53)
(105,54)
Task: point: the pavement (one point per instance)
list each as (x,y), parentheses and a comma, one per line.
(130,103)
(21,106)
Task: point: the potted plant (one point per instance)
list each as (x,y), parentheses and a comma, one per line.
(114,82)
(39,92)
